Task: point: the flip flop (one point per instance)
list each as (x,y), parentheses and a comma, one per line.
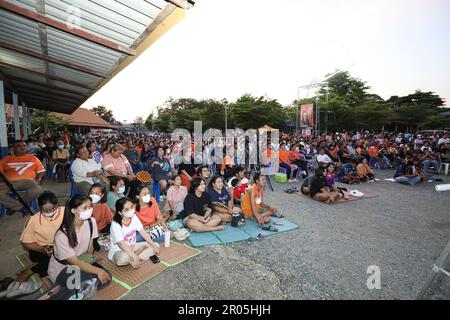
(270,228)
(259,237)
(278,216)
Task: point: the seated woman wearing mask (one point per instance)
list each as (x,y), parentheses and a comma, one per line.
(39,234)
(117,190)
(147,210)
(74,239)
(124,249)
(61,157)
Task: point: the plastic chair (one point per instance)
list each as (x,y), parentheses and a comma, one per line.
(446,167)
(33,204)
(72,182)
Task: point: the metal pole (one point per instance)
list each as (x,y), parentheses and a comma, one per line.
(16,116)
(29,121)
(45,122)
(226,120)
(25,121)
(3,129)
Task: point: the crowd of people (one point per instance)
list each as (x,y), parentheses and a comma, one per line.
(110,198)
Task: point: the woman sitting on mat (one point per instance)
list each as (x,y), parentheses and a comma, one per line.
(364,171)
(253,204)
(124,247)
(147,210)
(39,234)
(319,189)
(161,170)
(74,239)
(221,199)
(176,194)
(117,190)
(101,211)
(198,209)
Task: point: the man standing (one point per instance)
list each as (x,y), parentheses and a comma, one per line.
(24,172)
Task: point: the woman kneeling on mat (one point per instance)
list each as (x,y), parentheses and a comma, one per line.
(319,190)
(124,248)
(39,234)
(198,209)
(253,202)
(73,241)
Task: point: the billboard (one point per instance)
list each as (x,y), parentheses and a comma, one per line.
(306,115)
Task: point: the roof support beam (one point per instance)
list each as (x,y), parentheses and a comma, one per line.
(24,82)
(51,59)
(46,75)
(28,87)
(64,27)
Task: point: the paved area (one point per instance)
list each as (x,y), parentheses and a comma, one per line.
(402,231)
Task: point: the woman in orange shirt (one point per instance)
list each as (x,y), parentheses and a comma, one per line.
(253,204)
(298,159)
(291,169)
(147,210)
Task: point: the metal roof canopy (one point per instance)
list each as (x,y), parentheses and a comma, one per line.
(55,54)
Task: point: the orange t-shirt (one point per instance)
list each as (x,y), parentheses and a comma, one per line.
(21,168)
(227,161)
(283,156)
(373,152)
(246,201)
(148,215)
(102,215)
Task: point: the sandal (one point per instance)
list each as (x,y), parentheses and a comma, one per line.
(270,228)
(278,216)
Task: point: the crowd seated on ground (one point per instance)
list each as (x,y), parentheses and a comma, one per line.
(204,197)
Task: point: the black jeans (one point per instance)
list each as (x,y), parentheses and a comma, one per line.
(42,262)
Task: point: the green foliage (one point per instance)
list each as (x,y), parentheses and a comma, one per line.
(104,113)
(344,101)
(54,122)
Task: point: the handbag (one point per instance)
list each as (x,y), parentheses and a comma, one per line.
(156,231)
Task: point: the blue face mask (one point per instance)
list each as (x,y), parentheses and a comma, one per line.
(122,190)
(61,147)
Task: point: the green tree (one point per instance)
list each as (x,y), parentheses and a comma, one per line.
(251,112)
(54,122)
(149,122)
(104,113)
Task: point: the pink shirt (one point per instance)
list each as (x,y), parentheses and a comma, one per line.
(176,196)
(62,249)
(119,164)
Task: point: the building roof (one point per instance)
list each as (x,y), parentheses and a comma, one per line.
(55,54)
(84,118)
(446,113)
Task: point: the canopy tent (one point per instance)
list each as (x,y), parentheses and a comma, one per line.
(266,128)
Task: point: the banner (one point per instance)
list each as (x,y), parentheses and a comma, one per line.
(306,119)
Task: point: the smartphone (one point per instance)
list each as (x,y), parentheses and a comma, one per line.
(154,259)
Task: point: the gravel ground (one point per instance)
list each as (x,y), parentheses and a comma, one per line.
(402,231)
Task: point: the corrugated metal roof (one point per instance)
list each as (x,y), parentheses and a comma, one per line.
(54,68)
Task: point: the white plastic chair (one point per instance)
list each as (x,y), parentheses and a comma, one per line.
(446,166)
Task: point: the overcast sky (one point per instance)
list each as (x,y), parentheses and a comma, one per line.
(223,49)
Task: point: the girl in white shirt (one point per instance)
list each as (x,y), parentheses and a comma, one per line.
(124,248)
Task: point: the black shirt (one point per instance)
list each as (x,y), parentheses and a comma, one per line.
(316,185)
(190,168)
(194,204)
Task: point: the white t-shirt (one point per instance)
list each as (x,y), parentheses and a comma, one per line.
(80,168)
(324,158)
(126,233)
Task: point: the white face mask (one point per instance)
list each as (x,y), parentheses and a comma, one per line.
(95,198)
(146,199)
(122,190)
(49,214)
(85,215)
(297,149)
(129,214)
